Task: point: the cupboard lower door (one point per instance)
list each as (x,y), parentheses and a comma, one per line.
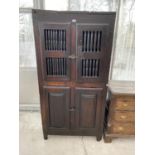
(88,103)
(57,105)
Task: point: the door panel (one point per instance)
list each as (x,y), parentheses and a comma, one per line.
(88,105)
(91,46)
(58,100)
(55,50)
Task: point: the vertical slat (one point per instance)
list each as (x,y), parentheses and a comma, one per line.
(96,68)
(56,40)
(82,67)
(51,66)
(45,38)
(95,41)
(93,33)
(88,39)
(51,39)
(100,40)
(61,69)
(49,33)
(48,39)
(82,42)
(90,67)
(65,66)
(91,41)
(47,71)
(65,41)
(57,66)
(86,36)
(60,66)
(93,67)
(60,39)
(53,60)
(86,67)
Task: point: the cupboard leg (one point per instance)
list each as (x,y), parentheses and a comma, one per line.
(107,139)
(99,137)
(45,135)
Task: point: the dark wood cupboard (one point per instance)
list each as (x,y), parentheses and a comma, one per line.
(73,51)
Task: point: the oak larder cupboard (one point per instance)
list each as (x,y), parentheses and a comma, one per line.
(73,52)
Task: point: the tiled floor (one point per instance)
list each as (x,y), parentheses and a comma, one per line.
(32,142)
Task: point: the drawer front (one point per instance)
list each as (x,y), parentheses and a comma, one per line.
(123,103)
(122,128)
(123,116)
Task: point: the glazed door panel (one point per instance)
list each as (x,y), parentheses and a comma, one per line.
(88,103)
(57,101)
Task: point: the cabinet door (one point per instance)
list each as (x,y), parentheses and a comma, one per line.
(55,45)
(57,101)
(88,103)
(91,52)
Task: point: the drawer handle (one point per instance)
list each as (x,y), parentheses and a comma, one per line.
(120,128)
(125,104)
(123,117)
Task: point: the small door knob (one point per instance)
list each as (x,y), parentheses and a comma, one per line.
(123,116)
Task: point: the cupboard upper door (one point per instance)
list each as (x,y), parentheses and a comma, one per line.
(57,101)
(91,51)
(88,103)
(55,44)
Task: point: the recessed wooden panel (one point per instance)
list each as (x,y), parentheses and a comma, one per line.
(88,111)
(58,105)
(87,103)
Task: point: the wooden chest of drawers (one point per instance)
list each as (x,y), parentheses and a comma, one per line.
(120,114)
